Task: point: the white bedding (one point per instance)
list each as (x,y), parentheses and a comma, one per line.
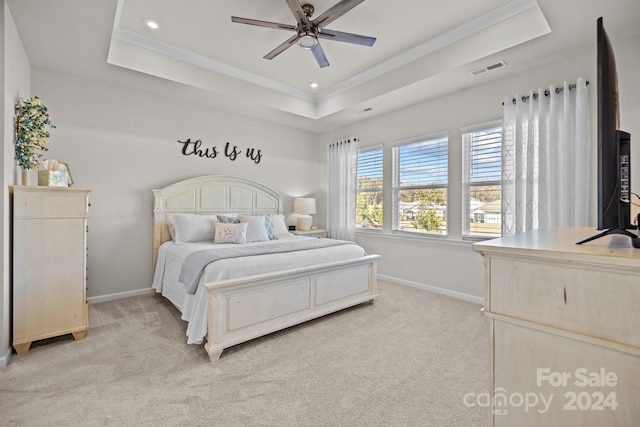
(194,307)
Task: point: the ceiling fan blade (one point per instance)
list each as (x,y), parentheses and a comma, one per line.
(284,46)
(339,36)
(297,11)
(260,23)
(320,56)
(335,12)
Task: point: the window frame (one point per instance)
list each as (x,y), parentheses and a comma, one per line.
(380,148)
(397,187)
(467,184)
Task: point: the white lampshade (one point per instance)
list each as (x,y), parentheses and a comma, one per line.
(304,207)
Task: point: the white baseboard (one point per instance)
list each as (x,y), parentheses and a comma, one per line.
(434,289)
(5,359)
(120,295)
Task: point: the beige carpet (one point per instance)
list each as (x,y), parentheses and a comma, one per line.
(407,360)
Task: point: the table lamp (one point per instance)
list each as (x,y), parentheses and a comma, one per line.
(304,207)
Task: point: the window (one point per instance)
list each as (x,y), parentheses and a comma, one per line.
(369,191)
(482,181)
(420,179)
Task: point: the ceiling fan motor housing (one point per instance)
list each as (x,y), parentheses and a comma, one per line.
(308,10)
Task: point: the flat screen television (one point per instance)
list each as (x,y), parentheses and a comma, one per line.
(614,151)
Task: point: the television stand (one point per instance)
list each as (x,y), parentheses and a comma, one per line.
(557,310)
(634,239)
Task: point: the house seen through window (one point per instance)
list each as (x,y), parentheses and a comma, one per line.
(420,180)
(482,181)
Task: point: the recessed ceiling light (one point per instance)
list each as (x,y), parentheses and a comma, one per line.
(150,23)
(313,85)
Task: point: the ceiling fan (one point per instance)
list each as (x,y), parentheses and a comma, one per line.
(308,31)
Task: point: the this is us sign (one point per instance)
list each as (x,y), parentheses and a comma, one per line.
(231,152)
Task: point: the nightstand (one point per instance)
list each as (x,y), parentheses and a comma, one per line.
(317,232)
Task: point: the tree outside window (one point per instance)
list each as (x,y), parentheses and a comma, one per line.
(420,180)
(369,191)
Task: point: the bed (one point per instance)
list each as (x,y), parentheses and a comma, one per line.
(235,296)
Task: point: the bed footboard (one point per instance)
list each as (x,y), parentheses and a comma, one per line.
(246,308)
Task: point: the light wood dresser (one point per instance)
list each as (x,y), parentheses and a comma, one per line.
(49,263)
(564,329)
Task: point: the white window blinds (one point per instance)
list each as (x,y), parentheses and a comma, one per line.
(420,180)
(482,181)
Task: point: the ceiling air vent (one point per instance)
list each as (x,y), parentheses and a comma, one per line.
(489,68)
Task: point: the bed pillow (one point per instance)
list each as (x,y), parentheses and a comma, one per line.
(193,228)
(229,219)
(279,226)
(268,225)
(172,230)
(256,230)
(231,233)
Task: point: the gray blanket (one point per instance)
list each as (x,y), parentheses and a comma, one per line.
(195,263)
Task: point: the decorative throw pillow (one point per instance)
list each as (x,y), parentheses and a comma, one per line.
(228,219)
(268,225)
(192,228)
(231,233)
(256,231)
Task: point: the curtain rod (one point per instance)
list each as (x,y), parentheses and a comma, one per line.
(546,93)
(343,141)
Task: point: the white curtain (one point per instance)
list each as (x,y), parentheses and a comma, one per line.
(545,159)
(342,165)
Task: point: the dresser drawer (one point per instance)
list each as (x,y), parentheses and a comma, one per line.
(32,202)
(571,296)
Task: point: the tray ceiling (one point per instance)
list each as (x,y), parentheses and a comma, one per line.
(424,49)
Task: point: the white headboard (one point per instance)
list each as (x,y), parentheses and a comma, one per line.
(212,194)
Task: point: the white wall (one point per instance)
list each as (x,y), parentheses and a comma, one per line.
(123,143)
(452,266)
(16,72)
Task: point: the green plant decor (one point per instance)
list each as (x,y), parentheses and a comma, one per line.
(32,120)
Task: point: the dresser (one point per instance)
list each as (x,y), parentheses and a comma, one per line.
(564,329)
(49,263)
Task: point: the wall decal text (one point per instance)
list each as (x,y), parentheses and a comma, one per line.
(232,152)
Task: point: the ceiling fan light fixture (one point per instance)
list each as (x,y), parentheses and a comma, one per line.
(307,39)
